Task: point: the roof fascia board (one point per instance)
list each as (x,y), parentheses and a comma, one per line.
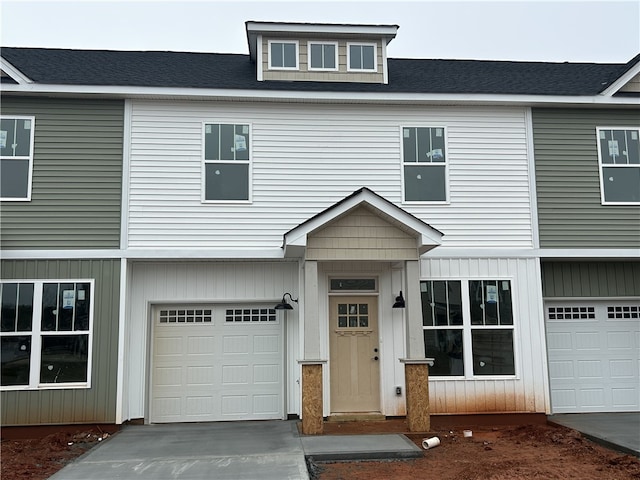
(14,73)
(310,97)
(622,81)
(274,27)
(427,234)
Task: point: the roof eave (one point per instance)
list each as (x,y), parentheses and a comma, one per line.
(316,97)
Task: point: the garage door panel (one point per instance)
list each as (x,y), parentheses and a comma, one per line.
(227,368)
(593,357)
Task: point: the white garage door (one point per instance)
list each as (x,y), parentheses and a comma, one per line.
(593,356)
(213,363)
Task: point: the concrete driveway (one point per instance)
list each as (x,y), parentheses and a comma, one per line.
(262,450)
(225,450)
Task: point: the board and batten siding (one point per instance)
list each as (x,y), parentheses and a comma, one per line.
(591,279)
(77,176)
(570,212)
(234,283)
(307,157)
(82,405)
(527,392)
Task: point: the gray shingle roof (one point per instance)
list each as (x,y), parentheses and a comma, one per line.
(233,71)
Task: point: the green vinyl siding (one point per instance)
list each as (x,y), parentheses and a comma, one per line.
(83,405)
(570,212)
(77,176)
(591,279)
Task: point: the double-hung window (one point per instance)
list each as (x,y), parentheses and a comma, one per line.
(16,157)
(46,334)
(283,55)
(468,327)
(226,162)
(361,57)
(323,56)
(619,163)
(424,160)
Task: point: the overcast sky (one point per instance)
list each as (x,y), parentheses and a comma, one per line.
(581,31)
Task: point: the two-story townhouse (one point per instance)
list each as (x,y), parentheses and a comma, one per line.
(61,177)
(307,227)
(587,164)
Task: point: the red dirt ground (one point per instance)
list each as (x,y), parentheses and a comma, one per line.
(531,452)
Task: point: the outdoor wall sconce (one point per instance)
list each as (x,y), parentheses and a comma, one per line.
(284,305)
(399,301)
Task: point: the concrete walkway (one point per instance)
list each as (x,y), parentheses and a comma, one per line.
(267,450)
(619,431)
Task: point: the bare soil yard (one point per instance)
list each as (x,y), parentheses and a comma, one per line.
(525,452)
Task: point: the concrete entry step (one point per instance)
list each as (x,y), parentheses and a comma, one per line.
(356,417)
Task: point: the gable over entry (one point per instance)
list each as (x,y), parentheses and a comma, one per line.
(362,226)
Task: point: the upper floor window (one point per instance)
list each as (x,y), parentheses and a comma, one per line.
(323,56)
(424,164)
(283,55)
(46,334)
(16,157)
(226,162)
(619,160)
(362,57)
(468,327)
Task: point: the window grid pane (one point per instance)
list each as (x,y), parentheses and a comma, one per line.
(242,315)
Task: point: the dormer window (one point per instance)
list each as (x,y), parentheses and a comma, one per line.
(362,57)
(323,56)
(283,55)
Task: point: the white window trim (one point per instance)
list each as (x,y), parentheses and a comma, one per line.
(447,199)
(466,328)
(294,42)
(603,200)
(375,57)
(29,158)
(37,333)
(323,69)
(203,175)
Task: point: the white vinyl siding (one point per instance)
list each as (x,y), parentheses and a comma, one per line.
(526,392)
(306,159)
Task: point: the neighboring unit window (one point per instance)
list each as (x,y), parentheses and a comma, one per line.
(323,56)
(424,164)
(362,57)
(476,331)
(283,55)
(619,158)
(46,333)
(226,162)
(16,157)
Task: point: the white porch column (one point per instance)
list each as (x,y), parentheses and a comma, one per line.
(311,314)
(413,310)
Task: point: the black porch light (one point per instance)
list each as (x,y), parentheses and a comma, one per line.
(284,305)
(399,301)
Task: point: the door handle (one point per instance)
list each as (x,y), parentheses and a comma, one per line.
(375,358)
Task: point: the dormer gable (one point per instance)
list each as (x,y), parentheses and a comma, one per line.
(320,52)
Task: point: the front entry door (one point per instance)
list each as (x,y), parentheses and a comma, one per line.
(354,354)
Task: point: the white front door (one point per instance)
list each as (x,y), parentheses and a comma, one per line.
(354,354)
(214,363)
(593,351)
